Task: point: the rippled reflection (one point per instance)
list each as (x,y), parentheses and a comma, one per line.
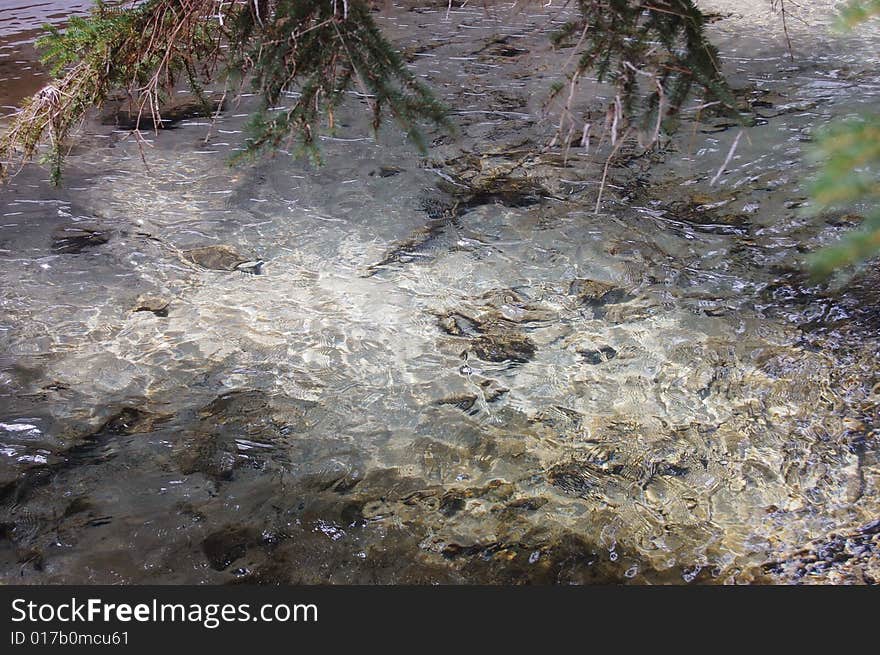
(408,390)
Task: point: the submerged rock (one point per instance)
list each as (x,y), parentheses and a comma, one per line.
(73,239)
(506,51)
(527,504)
(78,505)
(338,476)
(387,171)
(217,258)
(513,176)
(235,404)
(463,401)
(224,547)
(598,355)
(126,116)
(155,304)
(492,390)
(503,347)
(500,46)
(495,311)
(593,292)
(459,325)
(407,250)
(246,428)
(495,323)
(131,420)
(211,454)
(438,206)
(576,479)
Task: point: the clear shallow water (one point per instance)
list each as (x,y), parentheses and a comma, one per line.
(334,421)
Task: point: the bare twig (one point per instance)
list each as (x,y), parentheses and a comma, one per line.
(728,158)
(605,170)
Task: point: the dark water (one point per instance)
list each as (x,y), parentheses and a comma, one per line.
(531,392)
(21,22)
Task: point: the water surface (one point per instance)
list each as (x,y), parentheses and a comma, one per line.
(532,392)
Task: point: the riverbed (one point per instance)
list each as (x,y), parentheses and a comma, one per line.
(287,373)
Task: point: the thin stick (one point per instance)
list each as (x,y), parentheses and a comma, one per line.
(605,170)
(784,13)
(727,159)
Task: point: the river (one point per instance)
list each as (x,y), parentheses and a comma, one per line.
(529,391)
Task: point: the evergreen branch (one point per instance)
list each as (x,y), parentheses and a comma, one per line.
(314,49)
(618,40)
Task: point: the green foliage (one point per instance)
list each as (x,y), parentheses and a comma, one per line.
(858,11)
(619,39)
(142,49)
(304,57)
(78,40)
(850,155)
(313,51)
(328,54)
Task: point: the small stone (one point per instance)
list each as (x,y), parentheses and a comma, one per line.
(254,267)
(458,325)
(388,171)
(155,304)
(594,292)
(502,347)
(492,390)
(599,355)
(218,258)
(464,401)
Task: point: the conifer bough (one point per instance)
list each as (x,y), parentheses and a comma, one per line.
(653,53)
(315,51)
